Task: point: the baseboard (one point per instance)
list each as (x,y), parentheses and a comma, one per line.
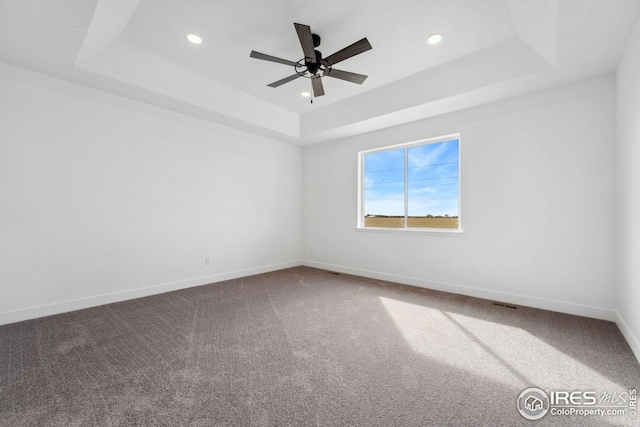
(541,303)
(545,304)
(633,341)
(82,303)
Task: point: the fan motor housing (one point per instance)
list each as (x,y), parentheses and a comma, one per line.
(314,67)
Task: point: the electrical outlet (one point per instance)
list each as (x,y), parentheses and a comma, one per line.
(207,261)
(475,270)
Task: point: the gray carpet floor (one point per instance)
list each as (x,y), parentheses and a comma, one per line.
(304,347)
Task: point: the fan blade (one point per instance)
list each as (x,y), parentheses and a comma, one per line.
(265,57)
(306,40)
(318,89)
(349,51)
(285,80)
(348,76)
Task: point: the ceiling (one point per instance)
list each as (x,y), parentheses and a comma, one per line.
(492,49)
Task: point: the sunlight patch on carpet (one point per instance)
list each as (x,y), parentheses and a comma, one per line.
(488,349)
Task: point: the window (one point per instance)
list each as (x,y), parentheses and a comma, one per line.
(411,186)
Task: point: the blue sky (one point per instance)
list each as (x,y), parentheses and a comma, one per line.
(432,177)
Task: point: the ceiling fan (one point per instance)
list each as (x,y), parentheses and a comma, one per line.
(313,66)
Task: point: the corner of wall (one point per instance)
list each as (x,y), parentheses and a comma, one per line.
(627,196)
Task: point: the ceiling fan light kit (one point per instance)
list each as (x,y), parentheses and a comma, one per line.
(313,66)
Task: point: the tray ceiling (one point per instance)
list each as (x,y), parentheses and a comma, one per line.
(492,49)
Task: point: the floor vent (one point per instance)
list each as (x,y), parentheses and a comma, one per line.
(500,304)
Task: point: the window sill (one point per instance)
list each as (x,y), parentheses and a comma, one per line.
(432,231)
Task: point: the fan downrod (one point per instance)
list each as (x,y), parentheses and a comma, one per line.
(312,70)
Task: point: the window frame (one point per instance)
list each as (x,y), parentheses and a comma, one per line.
(361,190)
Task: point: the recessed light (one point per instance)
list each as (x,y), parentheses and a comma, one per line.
(306,94)
(194,38)
(435,38)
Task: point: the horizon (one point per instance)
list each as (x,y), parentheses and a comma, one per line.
(432,178)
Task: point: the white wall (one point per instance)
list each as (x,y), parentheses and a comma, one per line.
(102,197)
(537,204)
(628,186)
